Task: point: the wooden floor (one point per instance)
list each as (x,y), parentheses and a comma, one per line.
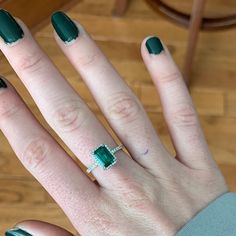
(213,90)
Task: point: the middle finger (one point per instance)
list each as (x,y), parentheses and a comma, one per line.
(61,106)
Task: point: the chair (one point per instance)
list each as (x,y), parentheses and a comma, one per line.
(195,22)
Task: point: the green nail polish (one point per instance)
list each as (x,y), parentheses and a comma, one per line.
(17,232)
(10,31)
(2,84)
(64,26)
(154,45)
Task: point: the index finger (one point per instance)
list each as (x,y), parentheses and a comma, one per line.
(45,159)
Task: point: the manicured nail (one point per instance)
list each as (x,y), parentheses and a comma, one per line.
(10,30)
(154,45)
(2,84)
(64,26)
(17,232)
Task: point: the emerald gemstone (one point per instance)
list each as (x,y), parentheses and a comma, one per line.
(104,157)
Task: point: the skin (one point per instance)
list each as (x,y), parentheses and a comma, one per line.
(151,193)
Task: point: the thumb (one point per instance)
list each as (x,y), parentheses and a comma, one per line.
(37,228)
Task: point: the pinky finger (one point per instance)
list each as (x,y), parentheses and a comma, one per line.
(39,228)
(178,108)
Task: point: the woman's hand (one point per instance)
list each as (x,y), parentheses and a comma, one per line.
(148,192)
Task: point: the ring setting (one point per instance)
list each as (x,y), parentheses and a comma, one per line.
(104,157)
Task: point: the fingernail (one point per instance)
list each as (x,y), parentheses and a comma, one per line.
(2,84)
(64,26)
(154,45)
(10,30)
(17,232)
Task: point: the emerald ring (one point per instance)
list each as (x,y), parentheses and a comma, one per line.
(104,157)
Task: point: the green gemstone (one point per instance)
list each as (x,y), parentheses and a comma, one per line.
(104,157)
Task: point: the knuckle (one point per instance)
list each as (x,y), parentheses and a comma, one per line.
(36,153)
(134,194)
(102,221)
(69,116)
(136,198)
(123,107)
(9,106)
(89,60)
(31,63)
(184,116)
(139,203)
(170,77)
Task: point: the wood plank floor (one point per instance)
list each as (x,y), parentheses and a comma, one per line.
(213,90)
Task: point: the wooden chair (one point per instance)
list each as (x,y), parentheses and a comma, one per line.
(194,22)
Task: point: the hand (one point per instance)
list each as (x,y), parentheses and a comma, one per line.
(147,192)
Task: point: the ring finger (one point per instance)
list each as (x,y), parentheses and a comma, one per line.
(118,103)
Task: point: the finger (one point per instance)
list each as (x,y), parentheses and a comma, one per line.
(178,108)
(121,107)
(61,106)
(37,228)
(44,158)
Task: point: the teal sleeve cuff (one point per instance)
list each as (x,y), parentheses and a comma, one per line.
(217,219)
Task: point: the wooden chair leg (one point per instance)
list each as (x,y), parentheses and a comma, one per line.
(194,28)
(120,7)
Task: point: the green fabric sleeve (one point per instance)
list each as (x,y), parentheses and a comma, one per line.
(217,219)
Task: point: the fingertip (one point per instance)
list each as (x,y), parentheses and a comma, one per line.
(6,86)
(23,26)
(17,230)
(40,228)
(66,29)
(3,83)
(28,226)
(158,59)
(13,36)
(152,48)
(144,50)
